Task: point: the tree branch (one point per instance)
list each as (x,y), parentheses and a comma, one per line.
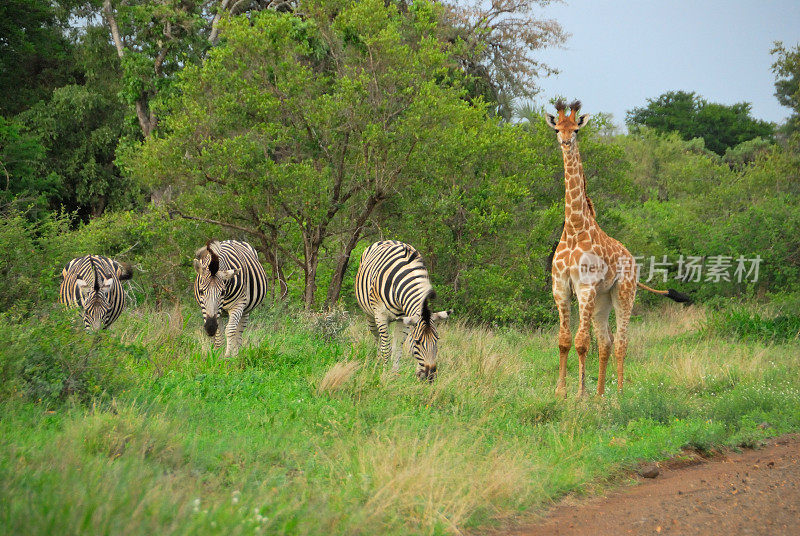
(112,22)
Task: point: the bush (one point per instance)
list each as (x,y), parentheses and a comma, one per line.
(50,360)
(743,323)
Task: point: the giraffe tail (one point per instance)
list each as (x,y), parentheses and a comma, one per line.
(670,293)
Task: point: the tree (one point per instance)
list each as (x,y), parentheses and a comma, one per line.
(80,128)
(721,126)
(787,83)
(35,55)
(295,129)
(24,179)
(155,40)
(495,43)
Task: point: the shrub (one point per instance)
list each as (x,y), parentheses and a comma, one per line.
(50,360)
(748,324)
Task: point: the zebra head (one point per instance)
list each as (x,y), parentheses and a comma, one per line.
(210,284)
(424,340)
(96,302)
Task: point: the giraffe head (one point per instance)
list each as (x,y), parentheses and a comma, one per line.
(567,126)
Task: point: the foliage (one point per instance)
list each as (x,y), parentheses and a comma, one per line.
(80,129)
(787,84)
(749,323)
(720,126)
(24,180)
(495,45)
(50,360)
(35,56)
(28,265)
(314,123)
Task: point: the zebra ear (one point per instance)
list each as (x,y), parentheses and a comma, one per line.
(82,285)
(411,320)
(225,274)
(196,263)
(107,285)
(442,315)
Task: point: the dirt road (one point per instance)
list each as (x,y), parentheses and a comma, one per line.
(747,493)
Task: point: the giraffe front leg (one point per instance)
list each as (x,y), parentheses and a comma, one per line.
(562,295)
(586,303)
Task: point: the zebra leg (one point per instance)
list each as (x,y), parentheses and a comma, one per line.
(382,325)
(240,330)
(400,335)
(231,330)
(373,328)
(217,344)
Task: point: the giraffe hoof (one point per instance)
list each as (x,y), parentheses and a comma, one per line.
(561,392)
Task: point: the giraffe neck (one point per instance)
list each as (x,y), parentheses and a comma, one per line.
(578,210)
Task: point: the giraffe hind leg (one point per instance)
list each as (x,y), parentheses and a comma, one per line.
(623,305)
(602,309)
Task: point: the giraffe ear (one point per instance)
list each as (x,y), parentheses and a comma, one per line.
(582,120)
(551,120)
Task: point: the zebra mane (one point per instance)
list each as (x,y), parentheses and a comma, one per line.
(426,311)
(212,249)
(94,271)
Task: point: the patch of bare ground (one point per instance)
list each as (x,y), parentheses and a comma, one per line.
(752,492)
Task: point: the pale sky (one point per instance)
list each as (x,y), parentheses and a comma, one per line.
(621,53)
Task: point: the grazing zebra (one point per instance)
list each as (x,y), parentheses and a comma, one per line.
(392,285)
(230,279)
(93,283)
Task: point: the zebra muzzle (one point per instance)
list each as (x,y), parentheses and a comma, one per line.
(210,325)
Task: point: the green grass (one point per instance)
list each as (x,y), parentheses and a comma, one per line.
(306,434)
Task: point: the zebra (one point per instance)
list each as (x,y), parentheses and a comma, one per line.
(93,282)
(392,285)
(229,278)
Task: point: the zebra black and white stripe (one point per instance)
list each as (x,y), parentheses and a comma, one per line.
(392,285)
(231,279)
(94,283)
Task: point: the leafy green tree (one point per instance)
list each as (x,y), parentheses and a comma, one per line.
(35,55)
(496,42)
(80,129)
(787,84)
(294,130)
(721,126)
(25,180)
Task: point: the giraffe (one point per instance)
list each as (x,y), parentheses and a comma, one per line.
(598,269)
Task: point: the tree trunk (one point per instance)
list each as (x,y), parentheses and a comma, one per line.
(335,288)
(278,279)
(147,120)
